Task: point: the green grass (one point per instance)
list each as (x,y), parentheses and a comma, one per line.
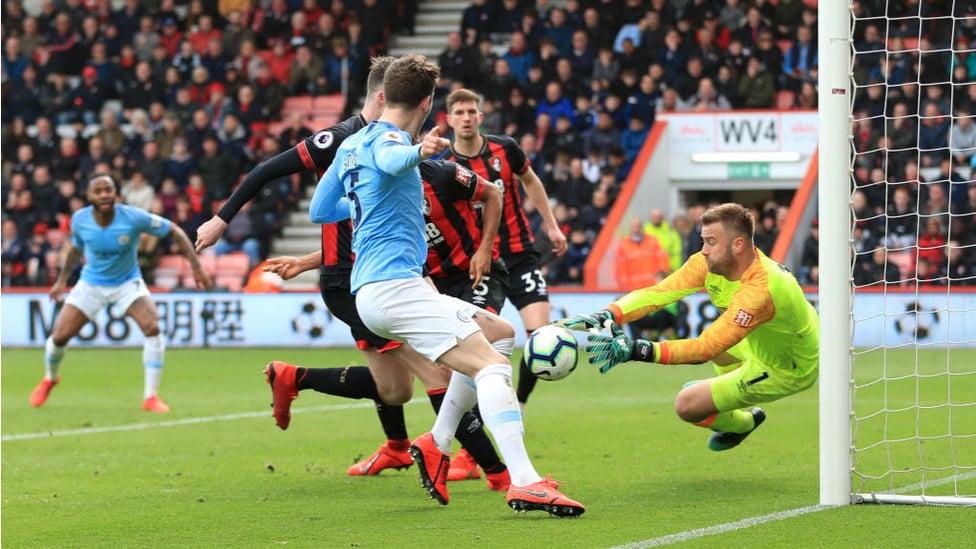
(241,482)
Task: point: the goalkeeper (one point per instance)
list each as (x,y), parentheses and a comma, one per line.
(764,345)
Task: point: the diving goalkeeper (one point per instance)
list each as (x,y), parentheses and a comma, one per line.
(764,345)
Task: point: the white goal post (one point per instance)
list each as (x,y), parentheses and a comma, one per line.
(877,440)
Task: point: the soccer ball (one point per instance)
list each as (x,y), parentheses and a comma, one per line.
(551,352)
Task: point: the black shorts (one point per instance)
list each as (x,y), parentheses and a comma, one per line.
(526,283)
(342,305)
(490,294)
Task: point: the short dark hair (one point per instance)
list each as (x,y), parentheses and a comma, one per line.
(462,95)
(734,217)
(103,175)
(409,80)
(377,71)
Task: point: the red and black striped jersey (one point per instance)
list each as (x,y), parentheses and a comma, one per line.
(452,233)
(317,152)
(499,161)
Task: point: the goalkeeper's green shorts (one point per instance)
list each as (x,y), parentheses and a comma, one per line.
(752,383)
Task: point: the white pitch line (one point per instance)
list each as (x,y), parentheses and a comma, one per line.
(772,517)
(722,528)
(179,422)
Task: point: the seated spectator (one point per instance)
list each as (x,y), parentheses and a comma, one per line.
(932,243)
(757,88)
(706,98)
(602,137)
(962,136)
(593,216)
(961,265)
(342,70)
(218,169)
(243,234)
(632,139)
(800,61)
(181,163)
(305,75)
(578,250)
(902,220)
(169,194)
(14,255)
(639,258)
(137,191)
(199,198)
(876,268)
(810,255)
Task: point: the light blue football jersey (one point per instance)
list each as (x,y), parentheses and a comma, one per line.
(375,181)
(110,252)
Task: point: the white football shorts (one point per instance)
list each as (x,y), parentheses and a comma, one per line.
(411,311)
(90,299)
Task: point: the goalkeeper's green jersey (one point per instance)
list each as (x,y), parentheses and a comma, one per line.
(764,314)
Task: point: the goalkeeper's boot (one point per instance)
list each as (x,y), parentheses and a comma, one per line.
(433,465)
(499,482)
(463,467)
(281,377)
(721,440)
(155,404)
(543,496)
(392,455)
(43,389)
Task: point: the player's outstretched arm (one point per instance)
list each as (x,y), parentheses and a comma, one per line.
(537,192)
(281,165)
(289,267)
(186,248)
(491,199)
(68,263)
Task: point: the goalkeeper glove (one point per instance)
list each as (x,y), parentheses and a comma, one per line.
(608,351)
(591,321)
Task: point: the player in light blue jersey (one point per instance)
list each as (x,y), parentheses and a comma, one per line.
(108,235)
(375,181)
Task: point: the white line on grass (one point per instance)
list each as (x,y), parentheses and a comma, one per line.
(772,517)
(179,422)
(722,528)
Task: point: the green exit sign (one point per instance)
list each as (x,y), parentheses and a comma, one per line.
(748,170)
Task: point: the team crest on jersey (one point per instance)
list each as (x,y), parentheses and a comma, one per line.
(464,176)
(323,139)
(495,163)
(123,239)
(394,136)
(742,318)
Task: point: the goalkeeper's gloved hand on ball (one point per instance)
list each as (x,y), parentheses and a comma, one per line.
(608,351)
(589,321)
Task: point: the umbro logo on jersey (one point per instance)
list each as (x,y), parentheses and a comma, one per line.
(742,318)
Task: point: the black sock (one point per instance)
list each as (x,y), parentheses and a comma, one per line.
(472,436)
(392,420)
(348,382)
(526,382)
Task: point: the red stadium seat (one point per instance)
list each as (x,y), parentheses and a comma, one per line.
(175,263)
(236,264)
(328,104)
(233,283)
(300,104)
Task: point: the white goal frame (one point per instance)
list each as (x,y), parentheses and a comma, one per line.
(836,286)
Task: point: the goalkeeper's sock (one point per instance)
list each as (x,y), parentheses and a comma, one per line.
(393,422)
(736,421)
(52,358)
(348,382)
(526,382)
(501,412)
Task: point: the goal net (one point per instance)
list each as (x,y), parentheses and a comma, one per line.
(912,242)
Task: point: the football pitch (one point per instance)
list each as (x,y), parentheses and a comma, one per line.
(91,469)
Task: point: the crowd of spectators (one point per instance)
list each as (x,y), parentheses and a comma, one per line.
(175,99)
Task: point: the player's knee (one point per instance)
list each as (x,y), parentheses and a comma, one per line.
(150,329)
(395,395)
(687,408)
(60,338)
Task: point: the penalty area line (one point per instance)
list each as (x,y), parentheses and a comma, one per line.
(723,528)
(182,422)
